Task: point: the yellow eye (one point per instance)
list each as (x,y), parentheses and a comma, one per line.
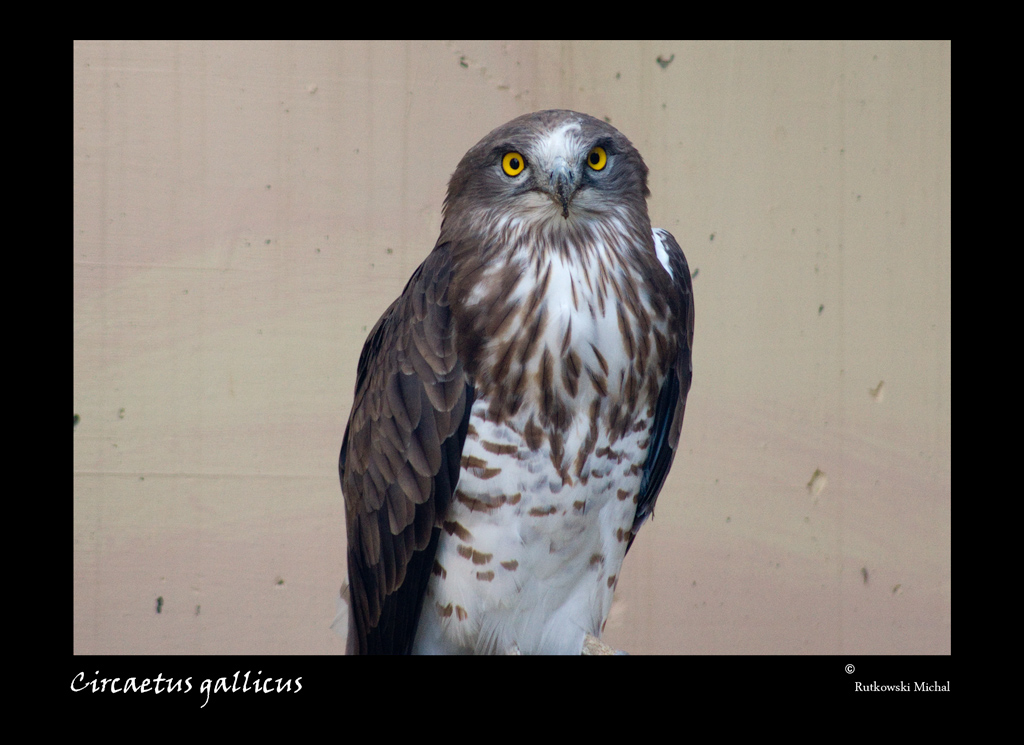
(597,159)
(513,163)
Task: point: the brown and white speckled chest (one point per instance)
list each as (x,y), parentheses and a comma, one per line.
(567,382)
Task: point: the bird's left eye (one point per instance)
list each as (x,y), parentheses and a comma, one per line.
(597,158)
(513,163)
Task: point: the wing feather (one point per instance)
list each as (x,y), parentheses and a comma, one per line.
(399,462)
(668,415)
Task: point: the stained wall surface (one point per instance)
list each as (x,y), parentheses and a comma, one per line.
(243,213)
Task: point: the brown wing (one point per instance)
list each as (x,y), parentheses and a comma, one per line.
(668,416)
(400,458)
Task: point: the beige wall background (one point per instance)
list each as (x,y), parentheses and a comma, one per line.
(243,213)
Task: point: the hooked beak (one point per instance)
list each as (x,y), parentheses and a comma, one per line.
(562,184)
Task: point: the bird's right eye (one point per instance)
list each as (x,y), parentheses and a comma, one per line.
(513,163)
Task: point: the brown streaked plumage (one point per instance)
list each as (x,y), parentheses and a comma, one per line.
(518,407)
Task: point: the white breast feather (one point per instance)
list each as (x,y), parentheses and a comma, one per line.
(532,566)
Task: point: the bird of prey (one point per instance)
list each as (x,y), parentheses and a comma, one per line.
(518,407)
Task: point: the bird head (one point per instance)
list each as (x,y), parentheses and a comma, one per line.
(548,169)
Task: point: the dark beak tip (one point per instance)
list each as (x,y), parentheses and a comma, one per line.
(563,186)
